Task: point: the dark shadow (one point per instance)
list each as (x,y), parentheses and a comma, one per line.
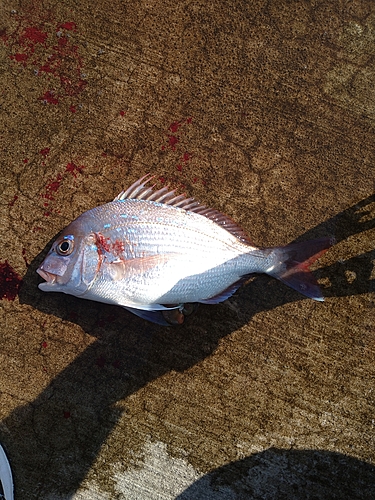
(277,474)
(55,453)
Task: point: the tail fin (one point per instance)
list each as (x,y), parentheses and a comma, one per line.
(291,265)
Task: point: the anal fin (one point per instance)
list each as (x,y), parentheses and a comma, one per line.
(225,294)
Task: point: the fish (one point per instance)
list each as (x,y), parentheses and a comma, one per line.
(160,254)
(6,478)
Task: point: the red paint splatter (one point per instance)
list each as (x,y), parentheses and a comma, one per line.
(10,282)
(48,97)
(44,152)
(44,344)
(100,361)
(13,201)
(67,414)
(186,157)
(72,109)
(179,168)
(24,257)
(162,180)
(74,169)
(25,160)
(122,113)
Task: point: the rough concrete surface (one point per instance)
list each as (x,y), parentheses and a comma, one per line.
(262,109)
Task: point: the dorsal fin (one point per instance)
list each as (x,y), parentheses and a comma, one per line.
(140,191)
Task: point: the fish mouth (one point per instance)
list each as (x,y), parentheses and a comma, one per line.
(49,277)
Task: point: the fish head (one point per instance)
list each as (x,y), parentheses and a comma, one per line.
(73,261)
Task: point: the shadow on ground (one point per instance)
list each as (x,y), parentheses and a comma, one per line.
(56,456)
(293,474)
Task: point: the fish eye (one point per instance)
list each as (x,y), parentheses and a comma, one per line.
(65,247)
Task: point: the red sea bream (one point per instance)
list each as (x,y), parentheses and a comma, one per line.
(156,253)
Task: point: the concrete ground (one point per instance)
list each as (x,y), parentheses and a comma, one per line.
(262,109)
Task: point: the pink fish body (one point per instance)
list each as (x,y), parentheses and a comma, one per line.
(152,252)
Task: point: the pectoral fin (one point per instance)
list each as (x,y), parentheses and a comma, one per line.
(127,268)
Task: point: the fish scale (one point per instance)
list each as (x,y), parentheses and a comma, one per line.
(152,250)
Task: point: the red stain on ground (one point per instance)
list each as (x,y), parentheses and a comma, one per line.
(48,97)
(54,184)
(19,57)
(13,201)
(34,35)
(122,113)
(176,145)
(67,414)
(74,169)
(47,48)
(100,361)
(173,127)
(73,316)
(70,26)
(44,152)
(172,141)
(10,282)
(44,344)
(72,109)
(52,187)
(109,318)
(24,257)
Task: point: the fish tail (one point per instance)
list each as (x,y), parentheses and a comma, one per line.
(291,265)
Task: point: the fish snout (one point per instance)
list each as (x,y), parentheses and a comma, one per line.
(52,268)
(49,277)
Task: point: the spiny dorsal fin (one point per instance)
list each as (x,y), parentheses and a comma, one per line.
(140,191)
